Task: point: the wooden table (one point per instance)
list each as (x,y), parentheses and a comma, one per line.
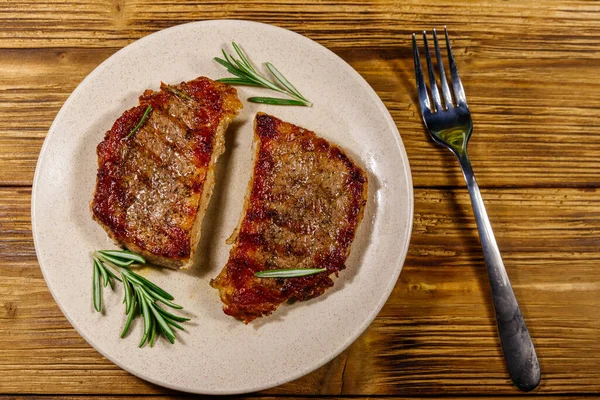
(530,70)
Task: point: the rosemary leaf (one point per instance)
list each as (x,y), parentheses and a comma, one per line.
(125,255)
(168,315)
(249,70)
(243,57)
(276,101)
(153,335)
(224,63)
(102,269)
(173,323)
(178,93)
(152,295)
(104,274)
(289,273)
(97,289)
(115,260)
(232,69)
(141,296)
(232,64)
(142,121)
(238,81)
(111,274)
(279,76)
(145,282)
(225,56)
(113,266)
(145,311)
(163,324)
(146,336)
(130,316)
(126,294)
(243,67)
(247,75)
(169,338)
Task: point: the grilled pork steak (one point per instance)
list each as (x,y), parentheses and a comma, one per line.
(153,186)
(304,204)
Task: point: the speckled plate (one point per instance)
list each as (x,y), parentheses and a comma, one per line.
(217,354)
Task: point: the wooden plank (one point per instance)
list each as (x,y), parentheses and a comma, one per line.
(40,353)
(266,397)
(526,68)
(39,350)
(33,86)
(571,24)
(529,130)
(435,336)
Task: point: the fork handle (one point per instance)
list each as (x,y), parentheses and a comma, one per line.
(517,346)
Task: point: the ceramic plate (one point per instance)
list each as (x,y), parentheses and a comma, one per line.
(217,354)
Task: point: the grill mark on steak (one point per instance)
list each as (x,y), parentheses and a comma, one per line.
(176,123)
(150,186)
(153,146)
(303,208)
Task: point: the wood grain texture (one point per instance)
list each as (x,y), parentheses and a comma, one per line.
(436,334)
(288,397)
(528,68)
(529,130)
(270,397)
(437,330)
(571,24)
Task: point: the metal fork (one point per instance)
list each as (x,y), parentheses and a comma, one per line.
(450,125)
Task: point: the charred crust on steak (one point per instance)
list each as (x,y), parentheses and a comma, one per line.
(152,188)
(305,201)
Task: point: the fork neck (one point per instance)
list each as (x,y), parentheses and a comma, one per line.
(467,169)
(486,234)
(463,159)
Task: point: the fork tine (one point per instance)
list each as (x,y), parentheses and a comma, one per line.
(423,96)
(459,91)
(445,88)
(434,89)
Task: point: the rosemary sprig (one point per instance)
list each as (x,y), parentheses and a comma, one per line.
(142,297)
(288,273)
(141,123)
(247,75)
(178,93)
(275,101)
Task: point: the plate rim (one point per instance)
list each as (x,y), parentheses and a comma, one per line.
(361,328)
